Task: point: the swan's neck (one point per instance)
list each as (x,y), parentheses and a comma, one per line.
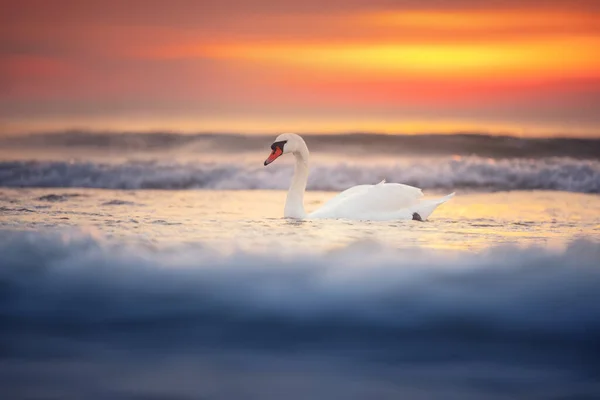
(294,204)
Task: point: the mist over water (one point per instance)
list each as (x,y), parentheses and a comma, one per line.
(463,144)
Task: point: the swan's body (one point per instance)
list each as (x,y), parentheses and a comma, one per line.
(383,201)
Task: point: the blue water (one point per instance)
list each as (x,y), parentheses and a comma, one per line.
(134,276)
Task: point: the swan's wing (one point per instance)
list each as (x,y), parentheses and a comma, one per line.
(382,197)
(364,200)
(350,192)
(328,207)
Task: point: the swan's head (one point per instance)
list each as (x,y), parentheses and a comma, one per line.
(285,143)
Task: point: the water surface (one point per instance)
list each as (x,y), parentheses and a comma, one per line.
(158,266)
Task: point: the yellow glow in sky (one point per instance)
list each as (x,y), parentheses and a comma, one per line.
(564,57)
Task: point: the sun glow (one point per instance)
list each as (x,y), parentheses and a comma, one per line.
(362,68)
(564,57)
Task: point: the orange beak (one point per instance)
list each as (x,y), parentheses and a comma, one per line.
(273,156)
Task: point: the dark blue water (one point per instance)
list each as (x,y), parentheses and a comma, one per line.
(87,317)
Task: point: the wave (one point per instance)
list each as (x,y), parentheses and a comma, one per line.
(72,297)
(463,144)
(77,278)
(117,202)
(565,174)
(53,198)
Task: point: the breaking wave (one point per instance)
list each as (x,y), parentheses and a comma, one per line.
(504,313)
(565,174)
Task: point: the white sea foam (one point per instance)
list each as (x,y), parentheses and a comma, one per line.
(478,173)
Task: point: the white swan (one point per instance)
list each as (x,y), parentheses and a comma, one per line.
(384,201)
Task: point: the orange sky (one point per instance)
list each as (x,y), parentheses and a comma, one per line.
(520,67)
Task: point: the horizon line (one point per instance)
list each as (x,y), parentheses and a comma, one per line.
(180,132)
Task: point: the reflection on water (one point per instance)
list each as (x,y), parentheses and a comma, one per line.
(177,294)
(296,222)
(252,219)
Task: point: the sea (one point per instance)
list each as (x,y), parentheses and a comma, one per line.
(159,266)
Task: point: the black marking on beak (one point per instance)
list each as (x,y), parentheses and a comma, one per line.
(278,144)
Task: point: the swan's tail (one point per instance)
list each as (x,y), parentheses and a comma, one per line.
(423,210)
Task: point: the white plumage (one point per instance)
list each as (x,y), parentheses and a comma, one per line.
(383,201)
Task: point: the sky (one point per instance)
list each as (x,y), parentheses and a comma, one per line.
(528,68)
